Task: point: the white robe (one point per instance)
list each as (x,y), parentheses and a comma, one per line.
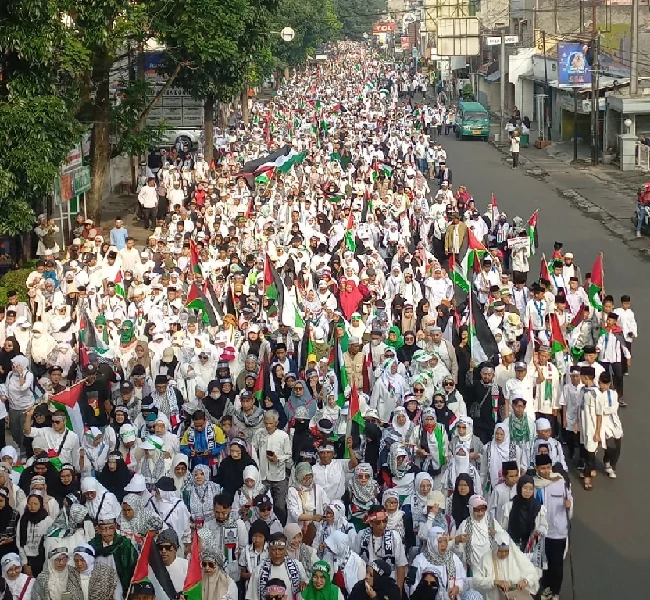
(512,569)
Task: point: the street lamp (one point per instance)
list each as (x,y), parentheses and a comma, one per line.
(628,125)
(287,34)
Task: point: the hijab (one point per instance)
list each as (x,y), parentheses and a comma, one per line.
(401,429)
(179,482)
(214,586)
(252,472)
(328,592)
(7,512)
(521,522)
(115,481)
(406,351)
(87,552)
(32,517)
(215,406)
(499,453)
(15,585)
(231,472)
(399,341)
(460,504)
(57,581)
(363,494)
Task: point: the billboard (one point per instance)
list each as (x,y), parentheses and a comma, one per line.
(573,66)
(386,27)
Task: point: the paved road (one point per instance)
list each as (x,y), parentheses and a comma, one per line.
(609,546)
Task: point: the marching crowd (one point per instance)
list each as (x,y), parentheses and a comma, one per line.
(326,367)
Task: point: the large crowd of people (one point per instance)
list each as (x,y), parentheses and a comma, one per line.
(327,367)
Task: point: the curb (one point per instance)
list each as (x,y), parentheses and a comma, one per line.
(609,222)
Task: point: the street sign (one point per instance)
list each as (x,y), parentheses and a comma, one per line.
(495,40)
(81,180)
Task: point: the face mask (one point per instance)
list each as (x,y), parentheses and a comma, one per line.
(375,342)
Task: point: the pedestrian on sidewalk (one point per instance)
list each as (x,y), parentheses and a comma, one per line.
(515,142)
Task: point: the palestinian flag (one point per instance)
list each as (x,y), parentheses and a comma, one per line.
(265,163)
(119,285)
(292,159)
(596,283)
(196,300)
(543,269)
(357,424)
(350,237)
(461,272)
(384,92)
(263,179)
(270,285)
(338,364)
(531,231)
(68,402)
(483,346)
(192,588)
(194,257)
(150,568)
(557,338)
(262,375)
(306,344)
(388,170)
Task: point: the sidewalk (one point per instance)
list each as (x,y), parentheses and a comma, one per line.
(117,205)
(603,192)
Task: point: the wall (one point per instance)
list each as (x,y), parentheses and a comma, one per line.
(490,94)
(494,13)
(614,43)
(519,64)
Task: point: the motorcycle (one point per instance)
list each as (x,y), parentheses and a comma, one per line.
(643,209)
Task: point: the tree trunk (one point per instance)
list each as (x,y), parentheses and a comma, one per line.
(100,147)
(244,105)
(208,127)
(139,74)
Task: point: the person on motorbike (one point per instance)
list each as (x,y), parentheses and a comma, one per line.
(643,201)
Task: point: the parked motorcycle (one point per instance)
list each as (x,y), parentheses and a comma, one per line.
(643,209)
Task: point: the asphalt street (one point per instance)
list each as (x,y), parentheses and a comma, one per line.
(609,550)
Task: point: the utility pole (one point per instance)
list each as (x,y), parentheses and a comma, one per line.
(594,84)
(502,80)
(634,65)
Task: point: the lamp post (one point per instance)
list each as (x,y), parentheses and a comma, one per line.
(628,125)
(287,34)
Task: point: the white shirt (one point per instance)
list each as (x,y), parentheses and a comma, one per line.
(148,197)
(627,321)
(331,477)
(278,443)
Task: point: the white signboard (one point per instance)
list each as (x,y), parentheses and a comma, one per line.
(518,242)
(493,40)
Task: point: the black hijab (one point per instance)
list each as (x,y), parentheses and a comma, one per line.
(444,415)
(115,481)
(230,475)
(373,442)
(6,513)
(460,504)
(521,523)
(30,517)
(215,406)
(406,351)
(6,357)
(60,491)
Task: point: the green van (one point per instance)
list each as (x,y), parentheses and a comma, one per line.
(472,120)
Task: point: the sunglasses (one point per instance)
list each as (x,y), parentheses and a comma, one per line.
(481,508)
(448,384)
(166,547)
(297,387)
(418,390)
(208,563)
(438,401)
(274,597)
(264,509)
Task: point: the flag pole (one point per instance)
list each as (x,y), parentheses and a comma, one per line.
(602,268)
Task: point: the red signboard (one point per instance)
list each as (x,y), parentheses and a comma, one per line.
(406,42)
(387,27)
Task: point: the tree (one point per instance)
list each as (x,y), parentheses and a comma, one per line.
(358,16)
(38,127)
(315,23)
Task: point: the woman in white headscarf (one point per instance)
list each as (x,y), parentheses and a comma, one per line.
(151,464)
(101,503)
(346,563)
(436,552)
(199,495)
(501,449)
(179,474)
(505,567)
(216,584)
(418,499)
(401,423)
(18,583)
(136,520)
(252,487)
(53,581)
(389,388)
(186,384)
(464,433)
(461,463)
(334,519)
(90,579)
(169,506)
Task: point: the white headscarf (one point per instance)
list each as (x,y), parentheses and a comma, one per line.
(15,585)
(57,580)
(87,552)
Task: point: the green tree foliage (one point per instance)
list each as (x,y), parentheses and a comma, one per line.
(357,16)
(315,23)
(38,126)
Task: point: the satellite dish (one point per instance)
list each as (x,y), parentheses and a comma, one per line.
(288,34)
